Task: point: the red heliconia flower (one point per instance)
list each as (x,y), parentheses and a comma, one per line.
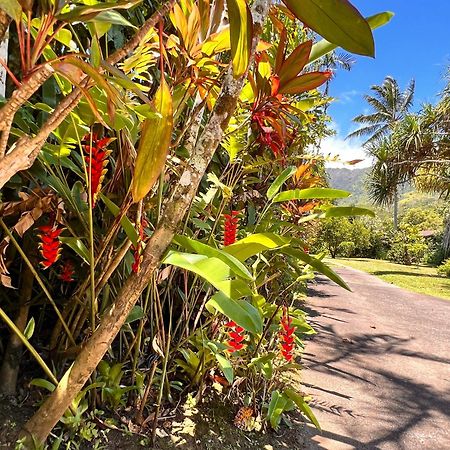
(67,272)
(287,336)
(50,245)
(230,228)
(236,336)
(96,161)
(138,249)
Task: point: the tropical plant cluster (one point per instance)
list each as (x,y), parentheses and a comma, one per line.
(157,196)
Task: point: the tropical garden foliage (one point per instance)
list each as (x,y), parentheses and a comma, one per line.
(157,198)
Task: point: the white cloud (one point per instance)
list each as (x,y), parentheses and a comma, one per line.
(347,96)
(341,150)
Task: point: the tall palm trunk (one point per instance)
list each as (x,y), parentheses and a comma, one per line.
(395,213)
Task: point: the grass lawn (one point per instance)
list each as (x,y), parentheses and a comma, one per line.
(421,279)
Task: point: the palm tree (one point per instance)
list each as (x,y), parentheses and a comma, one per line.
(417,151)
(389,107)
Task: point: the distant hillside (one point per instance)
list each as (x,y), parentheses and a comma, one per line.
(351,180)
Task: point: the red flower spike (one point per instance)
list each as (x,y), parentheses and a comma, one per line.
(236,336)
(138,249)
(96,161)
(50,245)
(230,227)
(287,338)
(67,272)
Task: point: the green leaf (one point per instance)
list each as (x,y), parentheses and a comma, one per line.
(304,83)
(347,211)
(40,382)
(302,406)
(309,194)
(316,264)
(77,246)
(111,18)
(234,264)
(254,244)
(87,12)
(137,313)
(264,364)
(12,8)
(241,33)
(64,36)
(323,47)
(279,181)
(154,144)
(29,329)
(128,227)
(277,406)
(239,311)
(338,21)
(226,367)
(213,270)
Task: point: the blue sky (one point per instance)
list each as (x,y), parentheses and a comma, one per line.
(415,44)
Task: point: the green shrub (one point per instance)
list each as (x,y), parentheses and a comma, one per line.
(444,268)
(407,253)
(347,249)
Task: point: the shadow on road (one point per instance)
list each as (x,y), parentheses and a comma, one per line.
(409,405)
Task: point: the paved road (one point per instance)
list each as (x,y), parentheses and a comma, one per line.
(379,367)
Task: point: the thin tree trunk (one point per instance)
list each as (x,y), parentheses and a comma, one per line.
(11,359)
(395,213)
(446,238)
(40,425)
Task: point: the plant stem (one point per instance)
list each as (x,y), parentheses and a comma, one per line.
(27,344)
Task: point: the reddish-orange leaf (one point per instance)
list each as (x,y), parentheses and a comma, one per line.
(295,62)
(304,83)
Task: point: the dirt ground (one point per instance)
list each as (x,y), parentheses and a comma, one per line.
(210,428)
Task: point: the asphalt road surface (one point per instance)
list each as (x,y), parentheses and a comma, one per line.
(379,367)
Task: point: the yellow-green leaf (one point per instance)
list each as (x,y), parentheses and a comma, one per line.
(12,8)
(338,21)
(241,33)
(154,144)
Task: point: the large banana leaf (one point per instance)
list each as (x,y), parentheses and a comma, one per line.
(338,21)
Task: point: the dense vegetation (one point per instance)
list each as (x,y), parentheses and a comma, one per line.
(157,196)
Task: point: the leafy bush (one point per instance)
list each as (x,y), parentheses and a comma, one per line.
(409,247)
(444,268)
(346,249)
